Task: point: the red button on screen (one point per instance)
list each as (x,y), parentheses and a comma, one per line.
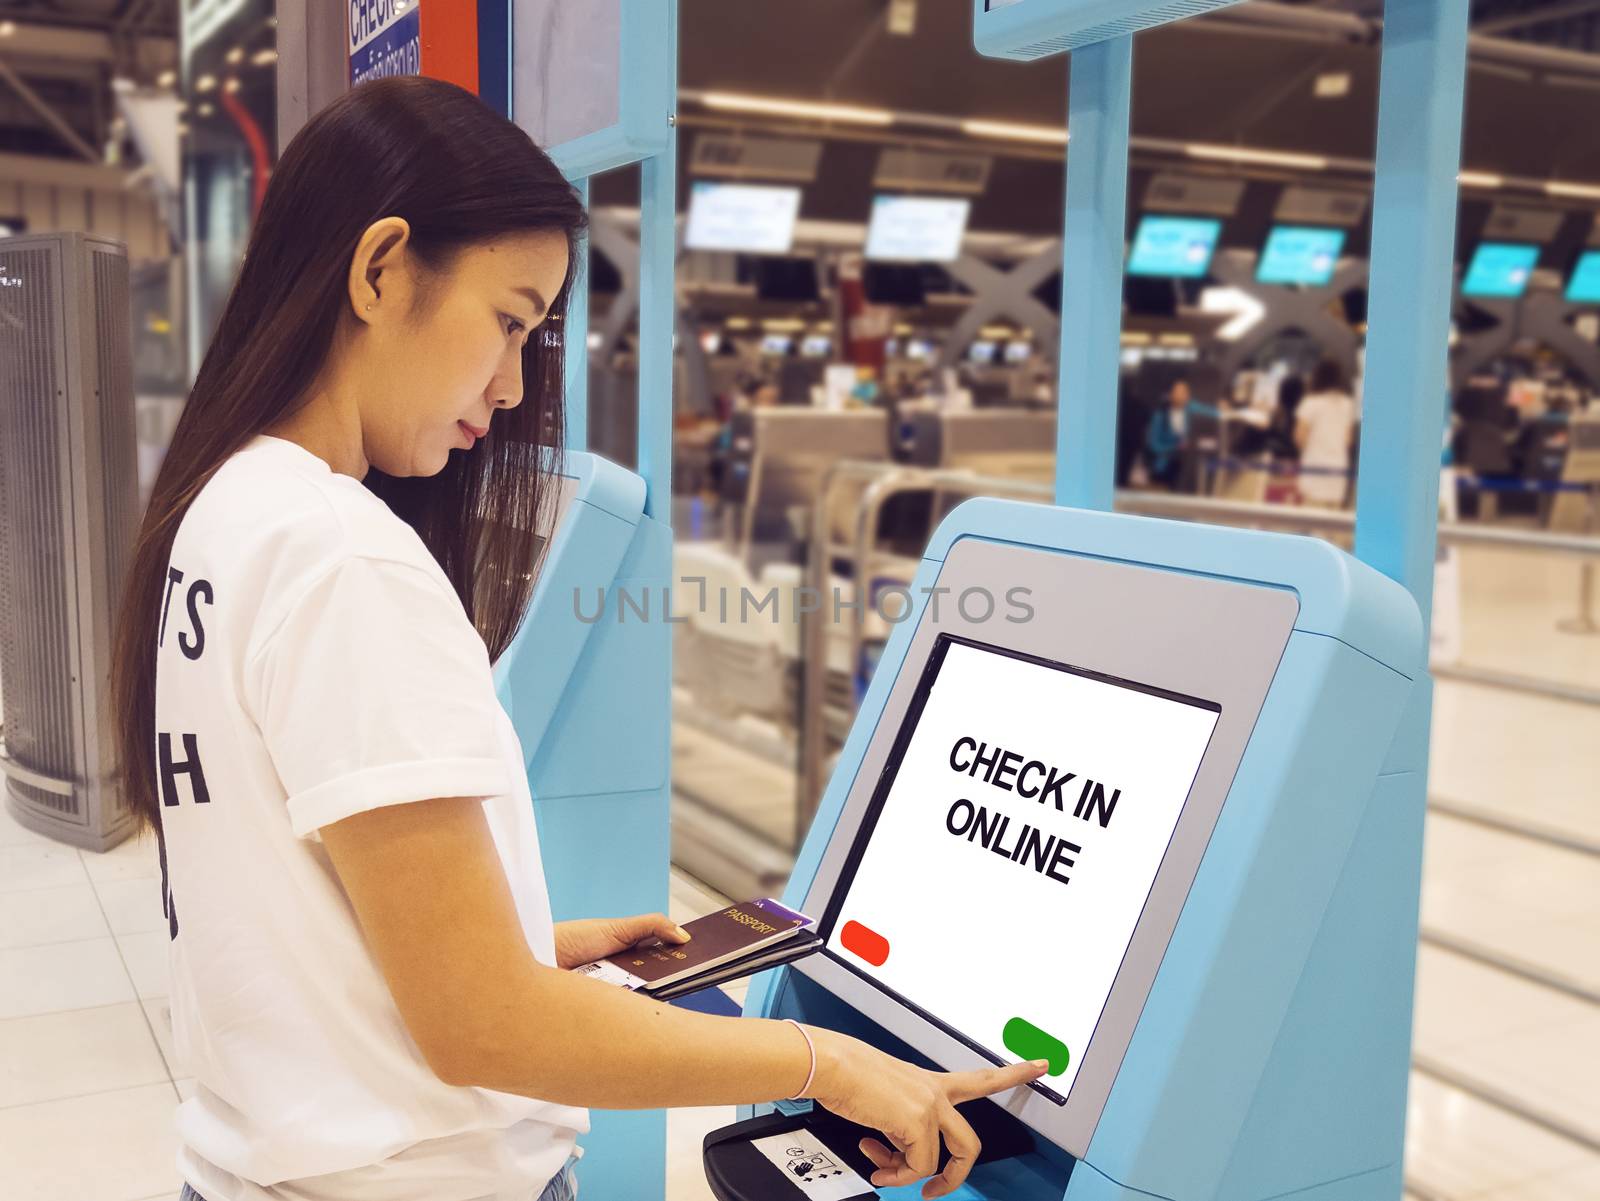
(864,943)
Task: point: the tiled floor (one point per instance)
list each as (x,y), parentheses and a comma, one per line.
(86,1093)
(87,1088)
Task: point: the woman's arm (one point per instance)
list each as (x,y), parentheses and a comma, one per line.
(433,902)
(432,898)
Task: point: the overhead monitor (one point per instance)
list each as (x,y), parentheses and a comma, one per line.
(1584,286)
(754,218)
(917,229)
(776,344)
(816,346)
(779,277)
(899,284)
(1300,254)
(1052,793)
(1018,352)
(1500,270)
(1176,247)
(919,349)
(981,352)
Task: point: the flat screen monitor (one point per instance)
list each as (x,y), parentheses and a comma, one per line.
(1500,270)
(816,346)
(1178,247)
(917,229)
(786,279)
(754,218)
(1584,286)
(1019,352)
(1051,793)
(919,349)
(981,352)
(894,283)
(776,343)
(1300,254)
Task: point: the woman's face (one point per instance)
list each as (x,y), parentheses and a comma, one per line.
(446,353)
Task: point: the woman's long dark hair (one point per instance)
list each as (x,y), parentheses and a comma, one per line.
(459,174)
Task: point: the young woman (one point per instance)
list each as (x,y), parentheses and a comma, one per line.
(367,985)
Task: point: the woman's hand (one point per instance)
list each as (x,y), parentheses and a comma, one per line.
(913,1108)
(588,939)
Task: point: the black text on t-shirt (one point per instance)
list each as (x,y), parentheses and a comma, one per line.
(192,642)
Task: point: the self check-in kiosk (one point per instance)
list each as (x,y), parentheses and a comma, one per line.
(1139,798)
(599,591)
(1116,805)
(585,684)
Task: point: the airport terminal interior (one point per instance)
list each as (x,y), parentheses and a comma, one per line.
(865,297)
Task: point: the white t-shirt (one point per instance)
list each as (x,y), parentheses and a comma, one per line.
(315,663)
(1330,419)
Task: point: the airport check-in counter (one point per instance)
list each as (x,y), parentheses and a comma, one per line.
(585,665)
(1572,510)
(1124,800)
(780,457)
(996,443)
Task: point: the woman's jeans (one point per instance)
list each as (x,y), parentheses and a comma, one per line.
(563,1188)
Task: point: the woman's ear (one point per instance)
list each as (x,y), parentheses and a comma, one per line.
(381,250)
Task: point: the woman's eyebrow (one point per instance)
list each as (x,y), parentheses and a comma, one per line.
(539,306)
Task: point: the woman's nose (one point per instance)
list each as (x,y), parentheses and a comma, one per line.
(505,390)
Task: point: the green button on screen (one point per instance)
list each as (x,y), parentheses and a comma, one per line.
(1026,1041)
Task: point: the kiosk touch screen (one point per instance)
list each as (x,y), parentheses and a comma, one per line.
(1010,845)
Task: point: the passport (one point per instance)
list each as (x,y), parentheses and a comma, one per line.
(718,940)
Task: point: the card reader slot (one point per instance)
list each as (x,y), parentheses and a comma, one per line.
(736,1171)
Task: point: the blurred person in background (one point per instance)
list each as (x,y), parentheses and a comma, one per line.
(1324,431)
(1164,437)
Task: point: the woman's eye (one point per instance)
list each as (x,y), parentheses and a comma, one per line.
(514,327)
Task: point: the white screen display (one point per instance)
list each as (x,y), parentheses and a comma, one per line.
(916,229)
(1016,844)
(747,217)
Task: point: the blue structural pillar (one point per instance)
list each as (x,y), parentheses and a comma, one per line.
(576,337)
(1402,432)
(1413,249)
(1091,273)
(658,242)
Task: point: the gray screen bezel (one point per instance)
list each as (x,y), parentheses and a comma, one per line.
(1198,636)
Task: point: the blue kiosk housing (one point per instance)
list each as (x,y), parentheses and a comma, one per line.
(1244,1040)
(597,755)
(1235,1022)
